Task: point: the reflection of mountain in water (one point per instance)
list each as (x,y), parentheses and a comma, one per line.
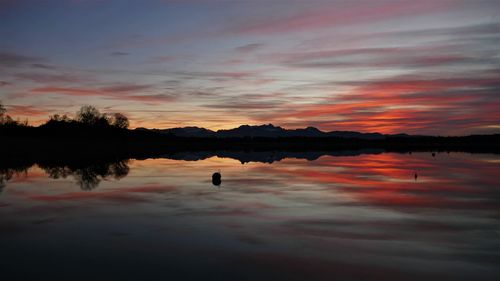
(265,156)
(89,173)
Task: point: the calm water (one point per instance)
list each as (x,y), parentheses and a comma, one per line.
(360,217)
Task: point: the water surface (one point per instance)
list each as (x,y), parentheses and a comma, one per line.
(363,217)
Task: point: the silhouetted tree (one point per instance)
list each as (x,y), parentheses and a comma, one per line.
(59,118)
(2,114)
(7,120)
(120,121)
(103,121)
(55,117)
(89,115)
(2,109)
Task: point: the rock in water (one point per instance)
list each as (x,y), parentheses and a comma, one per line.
(216,179)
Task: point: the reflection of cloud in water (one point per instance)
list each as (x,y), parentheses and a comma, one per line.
(353,218)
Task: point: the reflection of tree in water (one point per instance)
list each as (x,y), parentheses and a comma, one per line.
(88,177)
(119,169)
(3,179)
(7,173)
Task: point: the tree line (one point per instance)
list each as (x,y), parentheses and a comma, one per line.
(87,115)
(6,120)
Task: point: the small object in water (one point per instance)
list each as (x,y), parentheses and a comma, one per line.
(416,176)
(216,179)
(433,154)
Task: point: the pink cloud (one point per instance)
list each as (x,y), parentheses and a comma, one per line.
(26,110)
(402,104)
(343,13)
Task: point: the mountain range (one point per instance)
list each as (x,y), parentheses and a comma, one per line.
(265,131)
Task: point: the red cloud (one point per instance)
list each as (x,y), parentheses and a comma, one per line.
(26,110)
(403,104)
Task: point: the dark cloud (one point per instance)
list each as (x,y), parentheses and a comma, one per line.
(43,66)
(160,59)
(393,57)
(8,59)
(119,54)
(48,78)
(131,92)
(216,74)
(126,88)
(249,48)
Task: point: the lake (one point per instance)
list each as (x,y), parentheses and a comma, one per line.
(373,216)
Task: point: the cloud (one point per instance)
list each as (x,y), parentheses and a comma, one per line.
(338,14)
(458,31)
(48,78)
(42,66)
(412,57)
(250,102)
(249,48)
(26,110)
(119,91)
(217,74)
(152,98)
(8,59)
(161,59)
(239,105)
(125,88)
(119,54)
(411,104)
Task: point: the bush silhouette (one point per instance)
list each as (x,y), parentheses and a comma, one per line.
(120,121)
(7,121)
(91,116)
(2,109)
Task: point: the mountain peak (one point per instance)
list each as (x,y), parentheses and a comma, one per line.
(266,131)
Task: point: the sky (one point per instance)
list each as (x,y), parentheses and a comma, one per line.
(418,67)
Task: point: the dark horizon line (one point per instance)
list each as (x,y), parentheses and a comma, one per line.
(402,134)
(109,116)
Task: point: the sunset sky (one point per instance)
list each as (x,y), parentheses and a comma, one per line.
(419,67)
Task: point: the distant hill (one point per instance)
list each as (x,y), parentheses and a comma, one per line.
(266,131)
